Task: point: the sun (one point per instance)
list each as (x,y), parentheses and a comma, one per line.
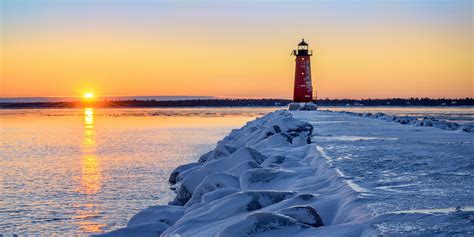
(88,95)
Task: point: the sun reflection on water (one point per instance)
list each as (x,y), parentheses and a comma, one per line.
(90,176)
(85,218)
(90,167)
(90,180)
(88,118)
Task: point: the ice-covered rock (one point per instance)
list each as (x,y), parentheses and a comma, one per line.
(441,125)
(426,121)
(404,120)
(176,172)
(280,139)
(218,194)
(302,106)
(142,230)
(185,190)
(287,123)
(267,179)
(300,140)
(260,199)
(231,206)
(241,155)
(187,187)
(388,117)
(221,150)
(242,202)
(469,127)
(211,183)
(243,166)
(264,223)
(162,213)
(305,214)
(274,160)
(309,106)
(294,106)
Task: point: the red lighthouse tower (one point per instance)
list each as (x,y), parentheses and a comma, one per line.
(303,90)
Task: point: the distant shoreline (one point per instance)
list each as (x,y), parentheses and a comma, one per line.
(396,102)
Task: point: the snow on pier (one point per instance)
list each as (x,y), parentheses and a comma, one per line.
(317,173)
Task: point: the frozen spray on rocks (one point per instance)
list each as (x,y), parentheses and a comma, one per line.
(425,121)
(264,179)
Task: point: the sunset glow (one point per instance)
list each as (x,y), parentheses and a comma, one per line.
(362,48)
(88,95)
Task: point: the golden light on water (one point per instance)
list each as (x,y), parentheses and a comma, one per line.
(90,179)
(85,213)
(88,118)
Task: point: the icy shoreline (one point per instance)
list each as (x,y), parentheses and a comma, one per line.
(426,121)
(260,180)
(277,177)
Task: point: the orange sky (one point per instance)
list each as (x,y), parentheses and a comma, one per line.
(363,49)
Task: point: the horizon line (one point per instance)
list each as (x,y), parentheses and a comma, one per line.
(225,97)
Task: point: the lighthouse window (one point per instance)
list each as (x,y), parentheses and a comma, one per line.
(302,73)
(302,59)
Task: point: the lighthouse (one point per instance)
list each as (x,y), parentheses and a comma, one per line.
(303,88)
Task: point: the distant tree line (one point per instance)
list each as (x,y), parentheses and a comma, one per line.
(240,103)
(201,102)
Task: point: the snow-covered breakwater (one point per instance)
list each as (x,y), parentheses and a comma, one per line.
(426,121)
(264,179)
(320,173)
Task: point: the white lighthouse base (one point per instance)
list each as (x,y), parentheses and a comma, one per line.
(302,106)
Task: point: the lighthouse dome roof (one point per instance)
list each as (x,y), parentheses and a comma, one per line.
(302,43)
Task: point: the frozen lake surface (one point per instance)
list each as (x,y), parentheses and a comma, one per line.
(412,180)
(459,115)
